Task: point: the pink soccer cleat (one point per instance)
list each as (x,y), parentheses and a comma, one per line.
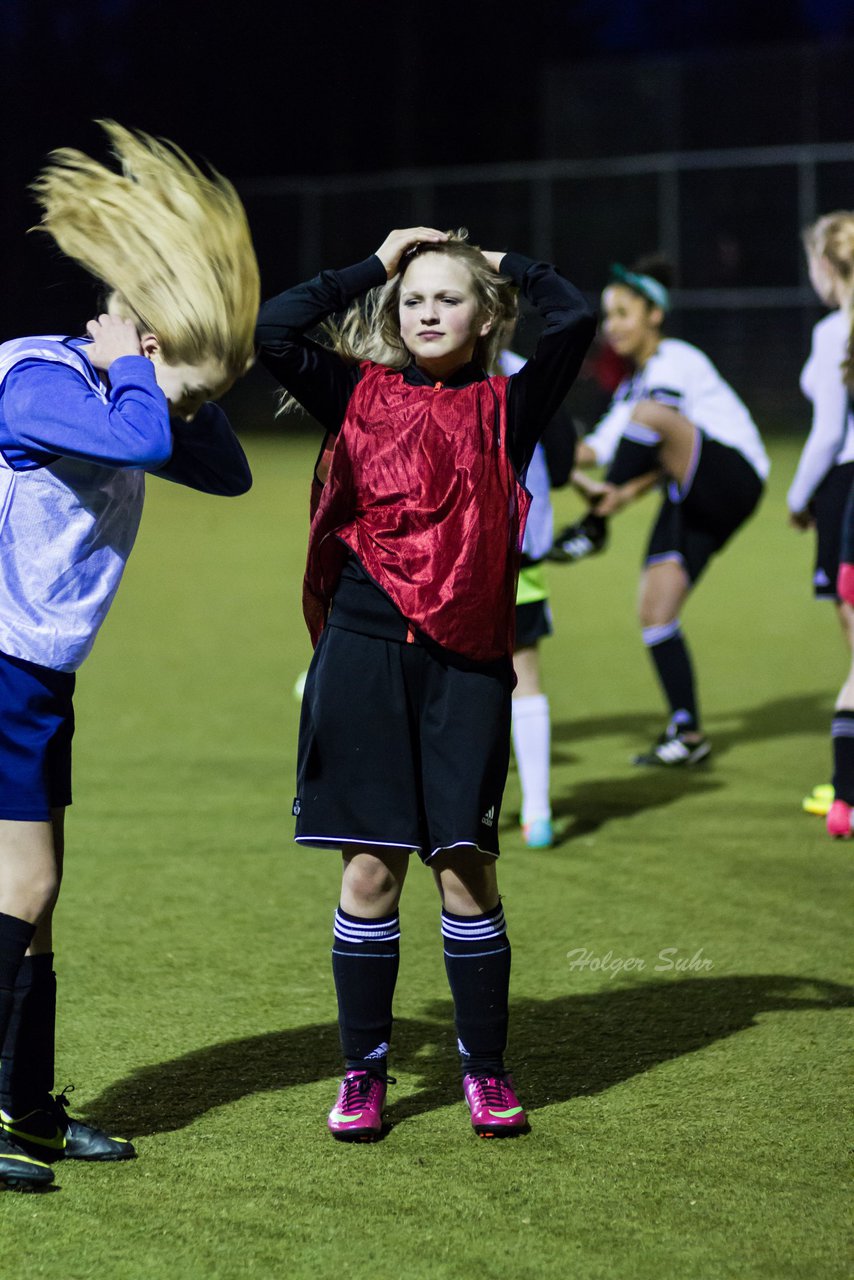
(839,820)
(495,1110)
(845,583)
(358,1112)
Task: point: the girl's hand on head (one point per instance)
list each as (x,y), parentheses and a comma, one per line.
(397,243)
(112,337)
(494,259)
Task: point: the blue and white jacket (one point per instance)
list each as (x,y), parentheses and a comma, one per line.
(73,457)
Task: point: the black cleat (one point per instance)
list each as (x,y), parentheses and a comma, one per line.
(578,541)
(50,1132)
(674,751)
(20,1171)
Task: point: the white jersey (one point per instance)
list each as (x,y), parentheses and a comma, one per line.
(681,376)
(830,442)
(66,530)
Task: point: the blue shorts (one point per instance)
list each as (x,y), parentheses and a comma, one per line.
(36,727)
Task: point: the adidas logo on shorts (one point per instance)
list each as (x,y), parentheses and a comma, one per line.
(489,817)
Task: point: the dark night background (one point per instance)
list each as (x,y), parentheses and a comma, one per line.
(318,89)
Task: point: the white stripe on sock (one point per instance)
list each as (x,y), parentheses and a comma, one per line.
(387,930)
(474,929)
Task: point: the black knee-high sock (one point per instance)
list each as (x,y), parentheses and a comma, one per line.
(365,960)
(842,733)
(636,454)
(477,960)
(672,661)
(26,1065)
(15,936)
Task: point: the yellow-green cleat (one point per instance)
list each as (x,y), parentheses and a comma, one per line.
(819,800)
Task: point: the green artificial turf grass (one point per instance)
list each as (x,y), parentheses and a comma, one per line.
(686,1121)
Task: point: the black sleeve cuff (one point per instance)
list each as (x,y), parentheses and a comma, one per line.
(515,265)
(366,275)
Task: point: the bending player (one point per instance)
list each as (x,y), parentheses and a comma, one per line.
(676,423)
(81,421)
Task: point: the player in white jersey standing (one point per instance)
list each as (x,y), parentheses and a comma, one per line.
(675,422)
(825,474)
(81,421)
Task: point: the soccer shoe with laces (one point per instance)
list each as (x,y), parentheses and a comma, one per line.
(538,834)
(50,1133)
(839,818)
(496,1112)
(19,1171)
(358,1112)
(819,800)
(578,541)
(674,750)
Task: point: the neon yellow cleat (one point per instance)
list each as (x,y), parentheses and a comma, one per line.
(819,800)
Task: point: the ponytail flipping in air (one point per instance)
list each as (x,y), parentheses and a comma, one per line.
(170,241)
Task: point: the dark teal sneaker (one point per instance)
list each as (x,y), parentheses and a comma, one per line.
(50,1133)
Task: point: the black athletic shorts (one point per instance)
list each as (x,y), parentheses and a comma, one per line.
(533,621)
(828,510)
(401,745)
(695,523)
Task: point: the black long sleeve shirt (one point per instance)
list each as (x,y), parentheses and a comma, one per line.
(322,382)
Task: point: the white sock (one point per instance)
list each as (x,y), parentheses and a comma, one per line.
(532,743)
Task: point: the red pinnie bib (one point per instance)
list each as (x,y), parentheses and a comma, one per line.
(421,489)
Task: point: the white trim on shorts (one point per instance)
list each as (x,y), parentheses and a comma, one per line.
(337,842)
(340,842)
(662,557)
(468,844)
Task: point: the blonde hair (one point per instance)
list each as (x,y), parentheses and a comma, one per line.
(171,242)
(832,238)
(370,329)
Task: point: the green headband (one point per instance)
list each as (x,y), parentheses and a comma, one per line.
(647,286)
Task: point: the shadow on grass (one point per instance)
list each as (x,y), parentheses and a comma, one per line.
(569,1047)
(593,804)
(779,718)
(775,719)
